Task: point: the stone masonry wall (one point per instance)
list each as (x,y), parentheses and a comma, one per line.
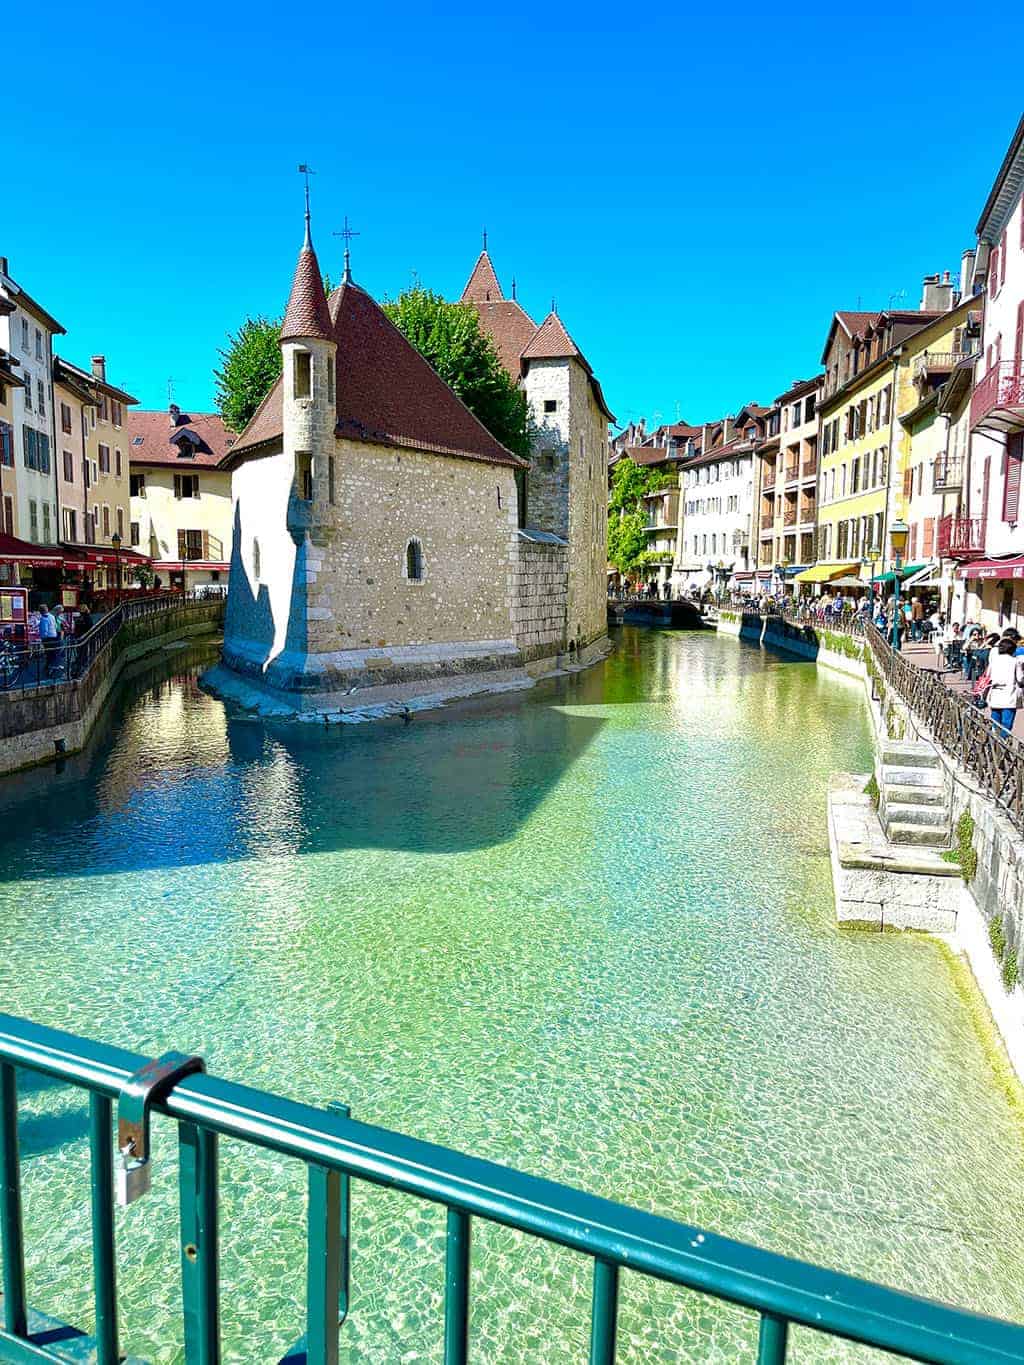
(462,512)
(587,608)
(547,496)
(539,600)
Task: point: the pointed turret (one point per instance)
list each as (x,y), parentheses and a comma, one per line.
(482,285)
(306,314)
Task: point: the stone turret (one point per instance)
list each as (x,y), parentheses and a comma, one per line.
(309,373)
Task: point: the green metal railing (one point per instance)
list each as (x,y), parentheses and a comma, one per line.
(337,1148)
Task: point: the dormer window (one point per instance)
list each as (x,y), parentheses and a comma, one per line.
(302,374)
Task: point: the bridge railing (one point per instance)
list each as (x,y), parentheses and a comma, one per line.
(779,1290)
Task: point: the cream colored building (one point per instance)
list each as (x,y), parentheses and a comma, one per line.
(181,495)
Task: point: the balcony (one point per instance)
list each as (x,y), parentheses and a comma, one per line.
(200,547)
(961,537)
(789,517)
(767,521)
(808,469)
(768,483)
(947,473)
(937,363)
(998,400)
(792,472)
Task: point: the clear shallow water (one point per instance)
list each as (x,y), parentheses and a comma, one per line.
(588,931)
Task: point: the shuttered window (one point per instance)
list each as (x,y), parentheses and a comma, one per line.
(928,548)
(993,274)
(908,482)
(1002,259)
(1011,485)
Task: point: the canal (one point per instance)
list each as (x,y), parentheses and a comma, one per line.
(587,930)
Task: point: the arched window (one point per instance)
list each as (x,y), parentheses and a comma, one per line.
(414,561)
(256,560)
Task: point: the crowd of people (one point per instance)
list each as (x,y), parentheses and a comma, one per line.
(991,663)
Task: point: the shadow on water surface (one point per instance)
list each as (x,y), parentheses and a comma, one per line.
(179,779)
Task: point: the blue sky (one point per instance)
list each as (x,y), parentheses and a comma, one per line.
(699,191)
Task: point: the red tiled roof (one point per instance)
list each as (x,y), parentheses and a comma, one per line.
(552,342)
(854,323)
(482,285)
(306,314)
(510,327)
(648,455)
(715,453)
(386,393)
(156,427)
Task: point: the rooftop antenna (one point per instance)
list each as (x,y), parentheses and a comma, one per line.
(897,297)
(306,171)
(347,234)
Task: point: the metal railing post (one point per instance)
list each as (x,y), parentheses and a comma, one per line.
(604,1313)
(11,1236)
(456,1289)
(101,1161)
(197,1155)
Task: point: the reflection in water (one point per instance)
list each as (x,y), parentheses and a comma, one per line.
(586,929)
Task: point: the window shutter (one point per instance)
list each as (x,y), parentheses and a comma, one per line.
(1011,486)
(993,273)
(177,493)
(1018,350)
(908,482)
(1002,258)
(929,536)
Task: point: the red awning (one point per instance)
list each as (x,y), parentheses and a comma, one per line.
(993,568)
(177,565)
(20,551)
(105,556)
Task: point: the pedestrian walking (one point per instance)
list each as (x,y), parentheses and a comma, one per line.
(916,618)
(1006,670)
(48,636)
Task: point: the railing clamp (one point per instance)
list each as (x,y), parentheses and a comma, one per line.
(140,1092)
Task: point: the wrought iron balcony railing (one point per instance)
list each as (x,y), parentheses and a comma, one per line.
(336,1149)
(998,398)
(947,472)
(961,537)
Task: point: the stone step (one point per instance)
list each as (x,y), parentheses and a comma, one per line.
(893,794)
(902,813)
(922,835)
(908,754)
(893,776)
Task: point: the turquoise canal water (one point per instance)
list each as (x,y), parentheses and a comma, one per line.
(587,930)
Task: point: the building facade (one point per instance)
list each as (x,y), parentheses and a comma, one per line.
(27,331)
(716,501)
(870,365)
(92,460)
(180,495)
(987,536)
(786,474)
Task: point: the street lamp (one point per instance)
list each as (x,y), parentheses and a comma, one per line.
(898,532)
(115,540)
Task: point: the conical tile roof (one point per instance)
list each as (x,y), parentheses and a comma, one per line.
(306,314)
(482,285)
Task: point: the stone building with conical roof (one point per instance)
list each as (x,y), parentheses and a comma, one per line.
(377,538)
(566,485)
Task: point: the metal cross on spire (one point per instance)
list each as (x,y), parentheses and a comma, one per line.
(485,239)
(307,171)
(347,234)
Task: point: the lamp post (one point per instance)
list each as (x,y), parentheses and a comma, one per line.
(898,532)
(115,541)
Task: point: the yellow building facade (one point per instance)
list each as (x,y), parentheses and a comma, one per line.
(872,381)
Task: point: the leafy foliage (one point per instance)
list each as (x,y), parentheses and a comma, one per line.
(251,363)
(627,538)
(450,337)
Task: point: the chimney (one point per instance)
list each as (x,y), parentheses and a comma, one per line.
(3,266)
(967,272)
(937,294)
(726,430)
(99,367)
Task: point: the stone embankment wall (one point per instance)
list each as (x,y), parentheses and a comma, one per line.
(990,918)
(539,592)
(32,722)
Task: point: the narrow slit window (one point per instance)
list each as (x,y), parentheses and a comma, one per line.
(414,561)
(302,374)
(256,560)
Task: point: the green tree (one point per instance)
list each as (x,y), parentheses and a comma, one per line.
(251,363)
(450,337)
(627,539)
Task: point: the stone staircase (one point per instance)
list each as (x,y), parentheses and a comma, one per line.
(913,805)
